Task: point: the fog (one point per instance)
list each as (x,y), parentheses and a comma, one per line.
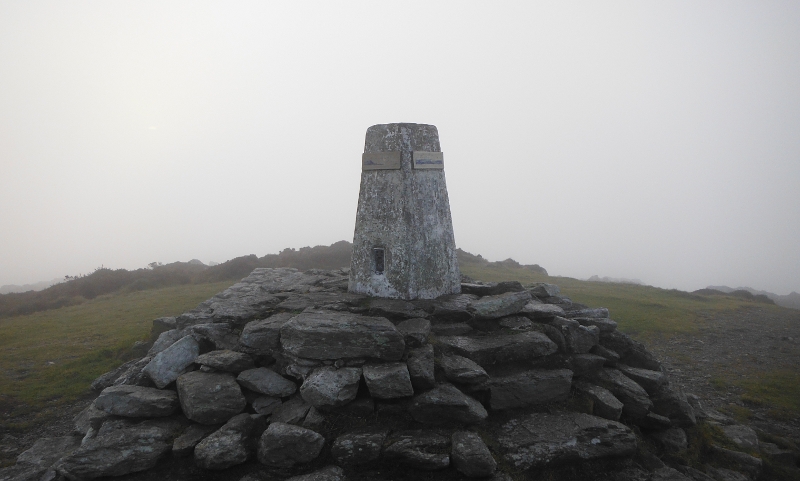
(649,140)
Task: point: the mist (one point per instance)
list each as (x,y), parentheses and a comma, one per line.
(646,140)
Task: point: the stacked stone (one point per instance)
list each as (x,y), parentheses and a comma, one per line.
(257,372)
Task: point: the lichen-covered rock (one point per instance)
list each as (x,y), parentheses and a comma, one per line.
(135,375)
(221,335)
(226,360)
(541,312)
(331,387)
(420,366)
(328,473)
(228,446)
(529,388)
(165,339)
(636,403)
(388,381)
(337,335)
(33,463)
(545,290)
(419,449)
(184,444)
(503,348)
(358,448)
(137,401)
(267,382)
(633,353)
(470,456)
(605,325)
(580,339)
(604,404)
(167,365)
(293,411)
(446,404)
(462,370)
(494,307)
(284,445)
(453,307)
(120,447)
(589,313)
(90,417)
(395,308)
(742,436)
(210,398)
(670,401)
(542,439)
(651,381)
(451,329)
(583,364)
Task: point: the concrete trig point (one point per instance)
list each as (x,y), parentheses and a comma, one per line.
(403,246)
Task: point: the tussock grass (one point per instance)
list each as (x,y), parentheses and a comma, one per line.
(50,357)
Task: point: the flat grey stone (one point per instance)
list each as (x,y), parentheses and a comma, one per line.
(636,403)
(285,445)
(742,436)
(262,337)
(604,404)
(541,312)
(453,307)
(395,308)
(530,388)
(605,325)
(137,401)
(134,374)
(120,448)
(90,417)
(167,365)
(542,439)
(328,473)
(451,329)
(184,444)
(314,420)
(219,334)
(293,411)
(544,290)
(591,313)
(611,357)
(418,449)
(632,353)
(226,447)
(165,339)
(518,323)
(388,381)
(580,339)
(670,401)
(583,364)
(672,440)
(331,387)
(462,370)
(335,335)
(105,380)
(266,381)
(668,474)
(358,448)
(493,349)
(47,451)
(494,307)
(446,404)
(226,360)
(415,331)
(210,398)
(421,368)
(651,381)
(470,456)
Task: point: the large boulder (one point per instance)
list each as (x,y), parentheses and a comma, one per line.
(334,335)
(529,388)
(165,339)
(210,398)
(388,381)
(331,387)
(167,365)
(137,401)
(262,338)
(470,455)
(267,382)
(446,404)
(494,307)
(418,449)
(462,370)
(500,348)
(226,360)
(421,366)
(228,446)
(284,445)
(36,461)
(542,439)
(358,448)
(120,447)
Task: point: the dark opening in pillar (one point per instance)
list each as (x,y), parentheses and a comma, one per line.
(378,257)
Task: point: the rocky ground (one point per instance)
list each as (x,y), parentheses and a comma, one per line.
(524,389)
(730,345)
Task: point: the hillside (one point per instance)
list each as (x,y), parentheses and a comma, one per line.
(791,301)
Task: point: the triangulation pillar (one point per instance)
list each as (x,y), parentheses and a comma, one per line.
(403,246)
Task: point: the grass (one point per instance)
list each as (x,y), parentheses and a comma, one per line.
(780,390)
(49,358)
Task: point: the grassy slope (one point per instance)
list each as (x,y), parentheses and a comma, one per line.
(50,357)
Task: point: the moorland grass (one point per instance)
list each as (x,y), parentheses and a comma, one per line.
(51,357)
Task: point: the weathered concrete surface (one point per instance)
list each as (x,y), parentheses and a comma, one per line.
(406,212)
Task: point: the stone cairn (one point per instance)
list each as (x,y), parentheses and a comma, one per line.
(287,375)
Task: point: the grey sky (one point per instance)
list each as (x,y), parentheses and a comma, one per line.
(655,140)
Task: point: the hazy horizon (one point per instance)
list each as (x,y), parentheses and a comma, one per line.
(652,141)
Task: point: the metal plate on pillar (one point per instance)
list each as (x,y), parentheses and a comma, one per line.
(428,160)
(380,160)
